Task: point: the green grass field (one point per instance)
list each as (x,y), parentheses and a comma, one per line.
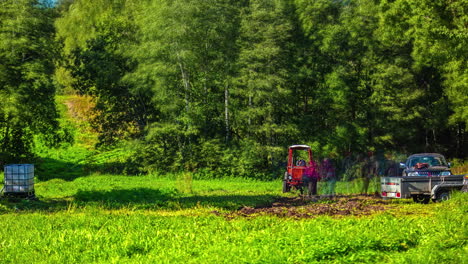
(155,219)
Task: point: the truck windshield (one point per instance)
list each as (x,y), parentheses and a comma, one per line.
(431,160)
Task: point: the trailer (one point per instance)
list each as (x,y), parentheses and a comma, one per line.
(423,188)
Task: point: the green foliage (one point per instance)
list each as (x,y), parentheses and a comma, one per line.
(27,107)
(459,166)
(263,95)
(78,156)
(222,87)
(428,36)
(94,63)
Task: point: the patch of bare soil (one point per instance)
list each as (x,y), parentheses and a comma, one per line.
(310,207)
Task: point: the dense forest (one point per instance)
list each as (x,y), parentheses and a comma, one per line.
(226,85)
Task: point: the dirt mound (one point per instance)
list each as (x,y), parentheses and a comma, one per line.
(309,207)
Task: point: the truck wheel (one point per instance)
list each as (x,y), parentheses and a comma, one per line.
(443,196)
(423,199)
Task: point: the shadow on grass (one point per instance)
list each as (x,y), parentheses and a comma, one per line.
(13,205)
(48,169)
(229,202)
(139,198)
(169,199)
(115,199)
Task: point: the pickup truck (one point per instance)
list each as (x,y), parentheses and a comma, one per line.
(425,176)
(426,164)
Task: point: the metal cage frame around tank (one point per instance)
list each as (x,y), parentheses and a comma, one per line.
(18,180)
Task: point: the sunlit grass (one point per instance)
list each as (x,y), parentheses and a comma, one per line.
(144,236)
(151,219)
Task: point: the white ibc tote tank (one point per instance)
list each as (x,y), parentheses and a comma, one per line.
(19,178)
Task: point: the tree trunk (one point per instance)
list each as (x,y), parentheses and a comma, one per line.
(427,139)
(186,81)
(226,111)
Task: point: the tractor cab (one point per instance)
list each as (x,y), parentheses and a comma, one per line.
(298,167)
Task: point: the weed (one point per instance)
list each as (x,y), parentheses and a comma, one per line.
(185,182)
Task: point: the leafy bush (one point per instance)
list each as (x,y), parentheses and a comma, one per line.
(460,166)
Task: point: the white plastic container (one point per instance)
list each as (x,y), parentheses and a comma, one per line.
(19,178)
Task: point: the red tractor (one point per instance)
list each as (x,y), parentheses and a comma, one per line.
(301,172)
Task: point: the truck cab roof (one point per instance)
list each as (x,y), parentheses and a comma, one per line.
(426,154)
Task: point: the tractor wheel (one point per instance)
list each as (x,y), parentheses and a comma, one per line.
(286,187)
(423,199)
